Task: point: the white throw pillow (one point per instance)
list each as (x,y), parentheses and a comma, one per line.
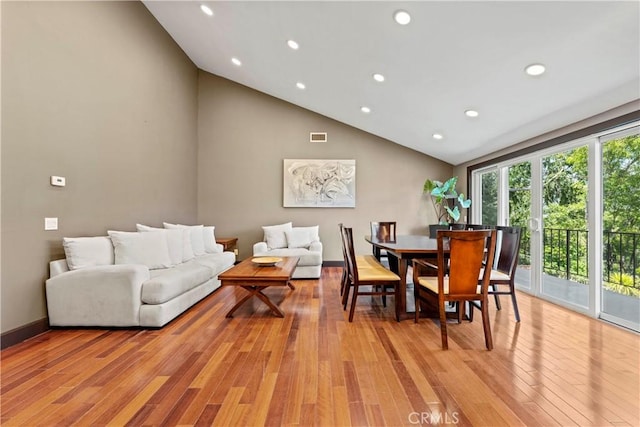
(302,237)
(148,248)
(87,251)
(274,235)
(187,248)
(209,237)
(197,239)
(175,241)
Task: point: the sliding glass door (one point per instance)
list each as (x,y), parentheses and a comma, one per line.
(579,208)
(620,297)
(565,272)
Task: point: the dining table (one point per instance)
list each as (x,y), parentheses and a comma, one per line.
(403,249)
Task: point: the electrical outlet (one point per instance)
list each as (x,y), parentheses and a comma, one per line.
(58,181)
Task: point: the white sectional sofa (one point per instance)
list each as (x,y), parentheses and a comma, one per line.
(144,278)
(286,240)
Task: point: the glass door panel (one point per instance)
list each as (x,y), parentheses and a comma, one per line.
(519,215)
(620,294)
(565,272)
(489,198)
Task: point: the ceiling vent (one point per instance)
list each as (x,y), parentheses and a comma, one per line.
(317,137)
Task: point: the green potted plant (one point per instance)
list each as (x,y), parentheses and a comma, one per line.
(446,202)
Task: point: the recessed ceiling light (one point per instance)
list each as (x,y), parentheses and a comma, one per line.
(236,61)
(293,44)
(206,9)
(378,77)
(471,113)
(365,110)
(402,17)
(437,136)
(300,85)
(535,69)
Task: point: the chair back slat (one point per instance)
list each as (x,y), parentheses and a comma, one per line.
(352,270)
(342,244)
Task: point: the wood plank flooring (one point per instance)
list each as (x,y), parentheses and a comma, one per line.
(313,368)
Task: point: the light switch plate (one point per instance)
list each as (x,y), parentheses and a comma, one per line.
(50,224)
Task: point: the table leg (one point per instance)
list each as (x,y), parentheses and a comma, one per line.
(402,292)
(257,291)
(239,303)
(267,301)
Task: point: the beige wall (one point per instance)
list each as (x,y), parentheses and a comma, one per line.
(99,93)
(244,136)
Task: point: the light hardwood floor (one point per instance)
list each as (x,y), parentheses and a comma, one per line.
(314,368)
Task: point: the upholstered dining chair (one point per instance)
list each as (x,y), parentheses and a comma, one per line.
(344,282)
(366,275)
(465,257)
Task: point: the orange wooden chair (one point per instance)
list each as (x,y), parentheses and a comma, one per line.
(458,270)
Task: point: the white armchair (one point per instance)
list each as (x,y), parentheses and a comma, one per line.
(286,240)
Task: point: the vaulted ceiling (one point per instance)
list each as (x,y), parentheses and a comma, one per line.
(451,57)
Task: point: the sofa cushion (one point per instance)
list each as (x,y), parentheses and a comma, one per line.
(209,237)
(217,262)
(88,251)
(275,236)
(301,237)
(187,249)
(306,256)
(174,241)
(168,283)
(148,248)
(196,236)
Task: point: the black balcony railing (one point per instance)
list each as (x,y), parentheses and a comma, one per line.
(566,255)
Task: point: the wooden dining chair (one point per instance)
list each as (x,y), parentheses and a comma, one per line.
(502,279)
(383,230)
(345,274)
(465,257)
(367,276)
(344,282)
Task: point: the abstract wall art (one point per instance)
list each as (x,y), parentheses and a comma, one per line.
(319,183)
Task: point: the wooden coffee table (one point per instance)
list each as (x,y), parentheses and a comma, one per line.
(255,278)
